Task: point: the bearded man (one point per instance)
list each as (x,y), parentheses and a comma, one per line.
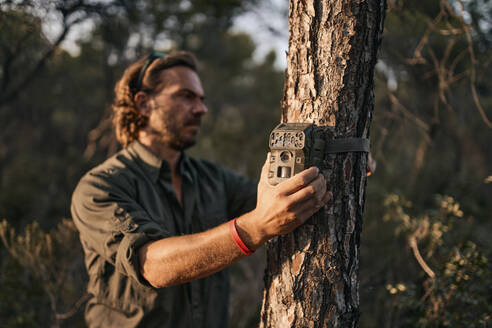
(157,227)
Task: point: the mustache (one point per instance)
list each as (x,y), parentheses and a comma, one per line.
(194,121)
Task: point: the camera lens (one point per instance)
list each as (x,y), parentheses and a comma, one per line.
(285,156)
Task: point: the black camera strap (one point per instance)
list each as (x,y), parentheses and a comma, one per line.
(347,145)
(322,146)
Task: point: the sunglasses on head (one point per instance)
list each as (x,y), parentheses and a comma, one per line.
(153,56)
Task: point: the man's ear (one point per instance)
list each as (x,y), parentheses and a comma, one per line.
(142,102)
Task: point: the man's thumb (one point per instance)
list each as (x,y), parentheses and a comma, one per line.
(266,168)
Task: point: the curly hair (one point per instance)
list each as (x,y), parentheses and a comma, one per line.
(127,119)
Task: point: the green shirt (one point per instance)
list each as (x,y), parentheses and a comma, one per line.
(128,201)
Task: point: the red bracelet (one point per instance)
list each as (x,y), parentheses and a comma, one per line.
(237,238)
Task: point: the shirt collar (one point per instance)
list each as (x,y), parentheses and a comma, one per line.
(185,167)
(164,173)
(157,167)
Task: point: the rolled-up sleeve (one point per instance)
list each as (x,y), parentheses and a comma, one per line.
(111,222)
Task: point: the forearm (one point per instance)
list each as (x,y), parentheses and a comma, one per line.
(176,260)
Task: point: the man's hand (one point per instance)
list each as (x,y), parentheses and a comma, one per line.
(282,208)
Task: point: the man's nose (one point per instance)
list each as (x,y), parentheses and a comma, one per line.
(200,108)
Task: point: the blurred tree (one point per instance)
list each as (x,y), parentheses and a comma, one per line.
(312,277)
(434,95)
(429,138)
(23,56)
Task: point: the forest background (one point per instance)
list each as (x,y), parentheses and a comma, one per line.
(426,246)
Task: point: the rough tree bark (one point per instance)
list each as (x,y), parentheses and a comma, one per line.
(312,274)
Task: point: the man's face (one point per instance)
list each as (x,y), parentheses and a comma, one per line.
(176,111)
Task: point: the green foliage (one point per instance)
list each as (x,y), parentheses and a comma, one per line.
(23,301)
(457,291)
(53,273)
(26,37)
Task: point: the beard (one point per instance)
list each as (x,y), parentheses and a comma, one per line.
(173,133)
(178,139)
(180,143)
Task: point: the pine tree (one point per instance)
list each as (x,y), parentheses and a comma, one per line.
(312,274)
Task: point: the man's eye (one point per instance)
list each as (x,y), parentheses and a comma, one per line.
(188,96)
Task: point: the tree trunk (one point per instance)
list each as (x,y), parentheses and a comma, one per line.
(312,274)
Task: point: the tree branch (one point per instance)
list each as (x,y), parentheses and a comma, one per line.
(412,241)
(466,28)
(408,114)
(67,26)
(27,79)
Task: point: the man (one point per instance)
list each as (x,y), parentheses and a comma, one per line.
(155,225)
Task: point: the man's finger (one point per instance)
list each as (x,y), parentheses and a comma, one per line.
(316,189)
(308,208)
(320,185)
(298,181)
(328,198)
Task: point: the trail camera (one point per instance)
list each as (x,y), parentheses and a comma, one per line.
(294,147)
(298,146)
